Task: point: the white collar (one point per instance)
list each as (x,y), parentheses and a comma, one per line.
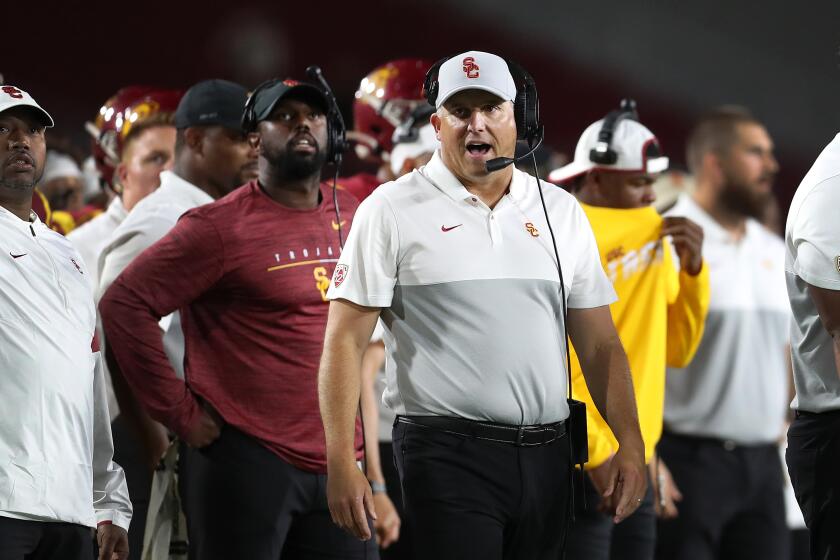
(442,177)
(183,189)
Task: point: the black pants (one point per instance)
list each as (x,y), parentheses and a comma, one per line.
(813,461)
(594,536)
(468,498)
(243,501)
(404,547)
(733,501)
(39,540)
(128,453)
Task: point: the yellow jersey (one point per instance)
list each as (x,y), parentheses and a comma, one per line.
(659,316)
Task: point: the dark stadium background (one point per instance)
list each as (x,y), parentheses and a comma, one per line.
(778,58)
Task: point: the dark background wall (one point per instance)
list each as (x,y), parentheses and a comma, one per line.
(778,58)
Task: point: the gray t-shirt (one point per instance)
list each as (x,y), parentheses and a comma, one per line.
(812,256)
(736,387)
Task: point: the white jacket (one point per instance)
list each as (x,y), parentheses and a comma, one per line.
(55,437)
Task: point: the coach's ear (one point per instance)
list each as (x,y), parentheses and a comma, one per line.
(435,121)
(194,138)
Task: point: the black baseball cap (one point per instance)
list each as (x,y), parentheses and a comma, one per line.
(268,97)
(212,102)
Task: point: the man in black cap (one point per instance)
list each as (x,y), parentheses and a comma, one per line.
(250,274)
(212,157)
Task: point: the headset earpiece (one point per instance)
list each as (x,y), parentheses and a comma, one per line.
(430,84)
(336,130)
(603,153)
(249,115)
(526,107)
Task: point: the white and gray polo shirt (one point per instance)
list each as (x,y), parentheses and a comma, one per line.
(812,256)
(471,295)
(736,387)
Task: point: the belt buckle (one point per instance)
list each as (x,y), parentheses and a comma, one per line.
(520,434)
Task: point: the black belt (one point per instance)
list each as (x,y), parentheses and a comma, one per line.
(727,444)
(520,436)
(824,414)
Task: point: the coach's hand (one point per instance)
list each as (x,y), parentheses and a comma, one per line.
(387,526)
(600,477)
(350,500)
(688,242)
(205,431)
(627,481)
(667,492)
(113,542)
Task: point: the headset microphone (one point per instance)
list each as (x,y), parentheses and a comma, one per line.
(498,163)
(336,141)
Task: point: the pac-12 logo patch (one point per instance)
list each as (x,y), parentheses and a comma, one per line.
(837,263)
(340,274)
(470,67)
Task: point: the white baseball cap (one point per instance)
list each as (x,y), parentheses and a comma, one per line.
(475,70)
(10,97)
(59,165)
(636,146)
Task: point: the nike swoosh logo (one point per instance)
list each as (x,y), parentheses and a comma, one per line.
(444,228)
(335,226)
(17,256)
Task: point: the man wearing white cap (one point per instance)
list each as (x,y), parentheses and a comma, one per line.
(62,182)
(57,477)
(459,262)
(662,303)
(725,411)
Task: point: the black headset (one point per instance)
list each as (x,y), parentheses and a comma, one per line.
(336,130)
(603,152)
(526,106)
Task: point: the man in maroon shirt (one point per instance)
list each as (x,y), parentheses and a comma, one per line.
(249,274)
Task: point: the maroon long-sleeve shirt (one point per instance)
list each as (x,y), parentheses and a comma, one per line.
(249,277)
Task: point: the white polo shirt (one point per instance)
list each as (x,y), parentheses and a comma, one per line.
(146,224)
(55,437)
(736,386)
(812,256)
(90,239)
(470,295)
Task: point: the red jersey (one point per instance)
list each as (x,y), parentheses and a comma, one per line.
(359,185)
(250,278)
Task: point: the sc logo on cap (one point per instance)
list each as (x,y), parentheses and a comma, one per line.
(13,92)
(470,67)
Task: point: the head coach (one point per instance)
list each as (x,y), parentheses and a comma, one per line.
(458,262)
